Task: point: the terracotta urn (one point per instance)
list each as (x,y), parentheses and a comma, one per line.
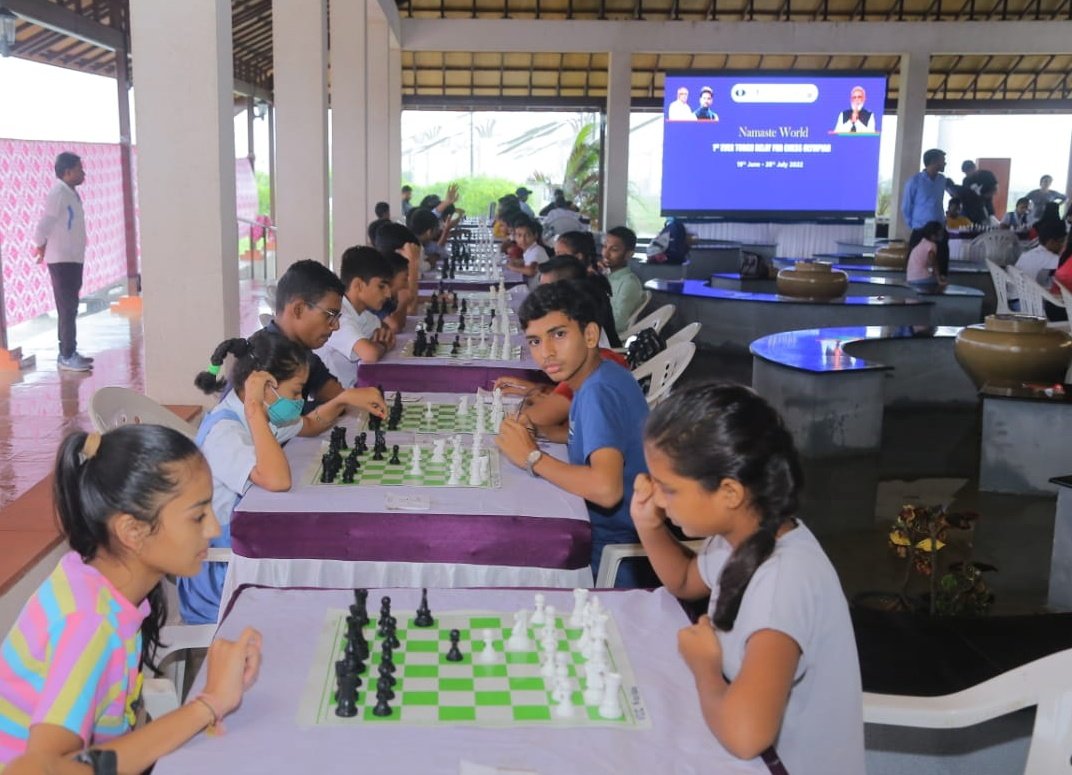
(1013,348)
(812,280)
(894,255)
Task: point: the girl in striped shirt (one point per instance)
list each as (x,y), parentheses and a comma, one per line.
(134,504)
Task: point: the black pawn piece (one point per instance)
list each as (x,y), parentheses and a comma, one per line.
(424,613)
(456,347)
(461,323)
(439,325)
(382,708)
(348,475)
(455,654)
(383,685)
(387,656)
(394,461)
(362,443)
(347,696)
(377,454)
(385,675)
(465,307)
(390,636)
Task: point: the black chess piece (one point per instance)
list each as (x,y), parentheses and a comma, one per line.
(457,346)
(390,635)
(381,440)
(434,308)
(382,708)
(439,324)
(455,654)
(362,443)
(465,307)
(461,322)
(424,613)
(385,675)
(346,694)
(392,421)
(374,423)
(348,474)
(325,469)
(394,461)
(341,430)
(398,399)
(359,608)
(384,686)
(385,607)
(341,669)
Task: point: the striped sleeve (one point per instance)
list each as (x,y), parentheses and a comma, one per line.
(85,662)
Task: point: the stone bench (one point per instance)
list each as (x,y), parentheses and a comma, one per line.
(1024,440)
(734,319)
(833,385)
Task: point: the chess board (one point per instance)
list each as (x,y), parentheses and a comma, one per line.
(433,691)
(383,473)
(473,306)
(472,326)
(445,419)
(479,353)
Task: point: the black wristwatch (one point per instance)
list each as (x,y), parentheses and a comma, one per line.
(102,762)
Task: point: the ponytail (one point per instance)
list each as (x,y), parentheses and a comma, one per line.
(716,432)
(128,470)
(208,381)
(264,351)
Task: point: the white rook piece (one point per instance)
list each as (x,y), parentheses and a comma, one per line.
(580,600)
(611,706)
(593,684)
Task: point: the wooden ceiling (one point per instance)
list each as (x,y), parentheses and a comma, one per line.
(999,80)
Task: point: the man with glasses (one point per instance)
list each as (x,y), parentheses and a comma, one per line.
(308,305)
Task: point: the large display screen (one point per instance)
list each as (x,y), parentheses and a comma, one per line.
(769,145)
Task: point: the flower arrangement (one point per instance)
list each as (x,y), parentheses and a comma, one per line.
(918,536)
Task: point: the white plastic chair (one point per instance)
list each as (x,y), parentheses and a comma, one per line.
(1001,282)
(1033,296)
(1042,683)
(687,334)
(265,318)
(664,370)
(636,313)
(998,245)
(111,407)
(613,554)
(656,320)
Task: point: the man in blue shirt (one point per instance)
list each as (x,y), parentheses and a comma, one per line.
(923,201)
(606,419)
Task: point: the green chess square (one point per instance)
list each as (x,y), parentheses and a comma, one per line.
(492,698)
(420,671)
(532,712)
(489,671)
(478,623)
(422,645)
(457,713)
(456,684)
(526,684)
(417,698)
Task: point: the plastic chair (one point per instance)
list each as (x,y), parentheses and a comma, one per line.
(111,407)
(1033,296)
(1001,281)
(1036,683)
(656,320)
(664,370)
(687,334)
(265,318)
(613,554)
(998,245)
(636,313)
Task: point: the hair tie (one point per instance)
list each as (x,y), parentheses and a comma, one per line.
(90,446)
(213,369)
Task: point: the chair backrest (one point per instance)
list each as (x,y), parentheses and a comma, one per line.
(687,334)
(1066,295)
(656,320)
(265,318)
(1033,295)
(111,407)
(1050,748)
(664,370)
(1001,281)
(636,313)
(999,245)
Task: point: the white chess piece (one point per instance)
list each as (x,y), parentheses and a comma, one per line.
(549,614)
(429,414)
(415,462)
(483,340)
(593,684)
(463,402)
(507,349)
(611,707)
(547,669)
(439,448)
(488,656)
(564,699)
(469,346)
(455,474)
(580,599)
(519,637)
(538,615)
(474,472)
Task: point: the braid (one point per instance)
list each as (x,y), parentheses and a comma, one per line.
(208,381)
(738,571)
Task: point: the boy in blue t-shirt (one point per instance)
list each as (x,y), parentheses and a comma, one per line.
(606,419)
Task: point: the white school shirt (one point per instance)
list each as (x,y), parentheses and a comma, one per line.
(796,591)
(1038,264)
(228,448)
(62,227)
(338,353)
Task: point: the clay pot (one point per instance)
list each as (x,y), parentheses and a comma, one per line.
(1013,349)
(812,280)
(892,256)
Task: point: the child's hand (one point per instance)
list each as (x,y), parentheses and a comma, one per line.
(255,391)
(515,441)
(514,386)
(367,398)
(232,669)
(699,646)
(646,515)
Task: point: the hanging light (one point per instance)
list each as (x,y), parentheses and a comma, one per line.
(7,32)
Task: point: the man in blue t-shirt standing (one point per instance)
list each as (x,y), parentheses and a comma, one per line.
(606,419)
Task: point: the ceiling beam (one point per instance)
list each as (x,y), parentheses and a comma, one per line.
(891,38)
(56,17)
(391,14)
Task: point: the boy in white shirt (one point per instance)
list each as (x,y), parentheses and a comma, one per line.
(366,274)
(1040,262)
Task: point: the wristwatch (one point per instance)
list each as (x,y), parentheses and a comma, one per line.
(102,762)
(532,460)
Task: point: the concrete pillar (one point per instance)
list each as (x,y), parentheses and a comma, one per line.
(378,106)
(351,209)
(394,128)
(186,189)
(299,40)
(616,149)
(908,148)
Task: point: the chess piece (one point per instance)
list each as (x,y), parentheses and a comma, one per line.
(611,707)
(384,685)
(538,616)
(593,684)
(474,472)
(519,636)
(394,461)
(488,656)
(382,708)
(348,475)
(385,614)
(377,454)
(563,698)
(362,443)
(424,613)
(439,324)
(385,675)
(454,654)
(415,463)
(346,694)
(439,447)
(463,402)
(580,600)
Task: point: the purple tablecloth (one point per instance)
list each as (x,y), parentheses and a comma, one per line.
(440,377)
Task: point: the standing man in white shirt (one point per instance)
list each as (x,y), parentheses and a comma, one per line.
(60,242)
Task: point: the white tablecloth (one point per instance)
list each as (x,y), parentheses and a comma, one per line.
(263,735)
(792,240)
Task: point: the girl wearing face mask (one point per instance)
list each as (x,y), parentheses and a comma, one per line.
(242,440)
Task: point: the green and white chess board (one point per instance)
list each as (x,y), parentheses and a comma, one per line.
(445,419)
(478,353)
(433,691)
(383,473)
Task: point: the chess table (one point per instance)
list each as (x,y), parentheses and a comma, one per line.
(266,734)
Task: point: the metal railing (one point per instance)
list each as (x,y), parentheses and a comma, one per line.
(265,229)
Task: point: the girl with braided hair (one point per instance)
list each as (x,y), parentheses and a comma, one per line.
(775,662)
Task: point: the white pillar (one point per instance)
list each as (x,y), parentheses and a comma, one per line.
(351,207)
(616,150)
(908,148)
(394,128)
(186,189)
(299,41)
(377,79)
